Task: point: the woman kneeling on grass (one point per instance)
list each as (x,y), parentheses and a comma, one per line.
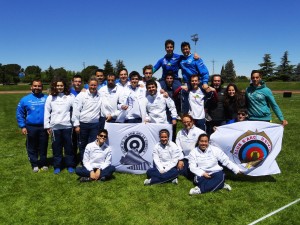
(96,160)
(166,155)
(203,161)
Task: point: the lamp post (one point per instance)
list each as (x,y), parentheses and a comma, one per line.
(195,38)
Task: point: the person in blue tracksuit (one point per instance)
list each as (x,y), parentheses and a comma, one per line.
(189,66)
(166,155)
(170,62)
(30,118)
(259,98)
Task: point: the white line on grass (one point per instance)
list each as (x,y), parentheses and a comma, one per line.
(276,211)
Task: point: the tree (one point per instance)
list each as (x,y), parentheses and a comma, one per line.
(285,70)
(60,72)
(119,66)
(296,76)
(229,72)
(10,73)
(87,72)
(35,70)
(223,75)
(32,72)
(49,74)
(108,67)
(267,67)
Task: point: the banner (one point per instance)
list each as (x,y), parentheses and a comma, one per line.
(252,145)
(132,145)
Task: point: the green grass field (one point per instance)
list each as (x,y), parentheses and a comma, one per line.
(45,198)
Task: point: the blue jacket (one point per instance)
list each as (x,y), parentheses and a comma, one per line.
(30,110)
(259,99)
(75,93)
(168,64)
(190,66)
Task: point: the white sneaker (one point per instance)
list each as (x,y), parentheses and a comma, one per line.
(175,181)
(147,182)
(195,191)
(227,187)
(35,169)
(45,168)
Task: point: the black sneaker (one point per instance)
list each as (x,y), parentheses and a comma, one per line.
(85,179)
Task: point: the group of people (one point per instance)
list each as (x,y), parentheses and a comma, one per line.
(75,117)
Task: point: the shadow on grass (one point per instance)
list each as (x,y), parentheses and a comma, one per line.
(242,177)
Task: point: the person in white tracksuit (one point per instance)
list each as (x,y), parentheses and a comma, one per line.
(166,155)
(57,121)
(86,114)
(203,162)
(158,104)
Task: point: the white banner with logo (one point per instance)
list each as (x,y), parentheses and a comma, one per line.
(252,145)
(132,145)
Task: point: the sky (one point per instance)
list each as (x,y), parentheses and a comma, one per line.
(77,33)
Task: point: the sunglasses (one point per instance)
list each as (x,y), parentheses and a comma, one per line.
(243,114)
(102,136)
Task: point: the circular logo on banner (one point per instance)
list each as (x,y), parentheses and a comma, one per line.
(135,141)
(251,148)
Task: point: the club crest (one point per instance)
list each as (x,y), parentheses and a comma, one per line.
(251,148)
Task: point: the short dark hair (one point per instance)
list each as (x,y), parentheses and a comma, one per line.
(200,136)
(121,70)
(217,75)
(187,115)
(169,41)
(103,131)
(256,71)
(99,70)
(183,44)
(170,73)
(76,76)
(164,131)
(112,75)
(134,74)
(148,67)
(151,82)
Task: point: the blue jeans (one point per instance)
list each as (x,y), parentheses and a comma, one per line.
(88,133)
(214,183)
(106,172)
(37,145)
(159,178)
(62,138)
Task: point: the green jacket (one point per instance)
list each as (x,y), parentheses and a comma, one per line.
(259,99)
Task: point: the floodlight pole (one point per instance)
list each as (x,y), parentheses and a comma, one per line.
(195,38)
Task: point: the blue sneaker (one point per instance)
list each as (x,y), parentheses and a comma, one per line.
(71,170)
(56,171)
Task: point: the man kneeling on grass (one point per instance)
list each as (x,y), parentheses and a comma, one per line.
(96,160)
(166,155)
(203,162)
